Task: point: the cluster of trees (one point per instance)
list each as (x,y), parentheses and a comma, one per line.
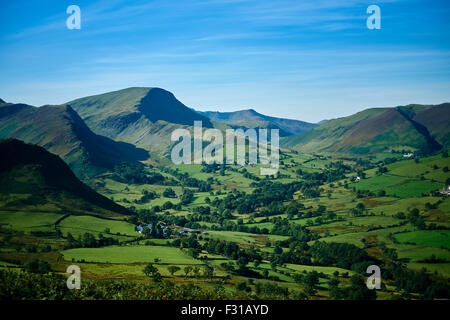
(266,193)
(413,217)
(187,197)
(284,227)
(187,181)
(208,271)
(136,174)
(213,168)
(169,193)
(336,171)
(342,255)
(231,250)
(88,240)
(249,175)
(146,197)
(38,266)
(357,290)
(14,285)
(202,210)
(310,281)
(428,286)
(359,210)
(151,271)
(277,207)
(147,216)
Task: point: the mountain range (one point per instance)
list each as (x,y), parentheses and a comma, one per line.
(421,127)
(252,119)
(95,133)
(144,117)
(60,130)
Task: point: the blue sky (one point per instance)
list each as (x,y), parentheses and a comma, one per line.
(307,60)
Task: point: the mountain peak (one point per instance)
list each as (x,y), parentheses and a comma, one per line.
(143,116)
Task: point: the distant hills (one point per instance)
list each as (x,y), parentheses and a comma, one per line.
(61,131)
(32,178)
(252,119)
(421,127)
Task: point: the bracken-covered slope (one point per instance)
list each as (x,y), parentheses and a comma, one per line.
(437,120)
(144,117)
(250,118)
(61,131)
(32,178)
(377,130)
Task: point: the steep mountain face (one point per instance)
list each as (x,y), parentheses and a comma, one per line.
(144,117)
(375,130)
(249,118)
(61,131)
(437,120)
(31,177)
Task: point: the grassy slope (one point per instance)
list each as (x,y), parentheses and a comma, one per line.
(356,230)
(130,254)
(437,120)
(371,131)
(404,178)
(44,179)
(142,116)
(61,131)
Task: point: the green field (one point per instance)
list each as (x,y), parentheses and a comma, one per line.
(397,186)
(243,237)
(432,238)
(78,225)
(430,168)
(130,254)
(373,229)
(29,221)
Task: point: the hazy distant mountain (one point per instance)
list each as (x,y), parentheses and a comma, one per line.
(32,178)
(143,116)
(61,131)
(251,119)
(380,129)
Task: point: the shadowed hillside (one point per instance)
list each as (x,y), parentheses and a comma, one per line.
(377,130)
(142,116)
(31,176)
(60,130)
(437,121)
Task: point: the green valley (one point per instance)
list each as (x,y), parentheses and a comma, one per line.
(349,193)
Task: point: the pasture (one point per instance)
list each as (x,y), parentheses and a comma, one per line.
(432,238)
(78,225)
(130,254)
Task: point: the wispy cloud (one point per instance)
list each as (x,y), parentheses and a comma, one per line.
(289,54)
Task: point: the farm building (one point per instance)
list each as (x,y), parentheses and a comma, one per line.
(408,155)
(141,227)
(445,191)
(188,231)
